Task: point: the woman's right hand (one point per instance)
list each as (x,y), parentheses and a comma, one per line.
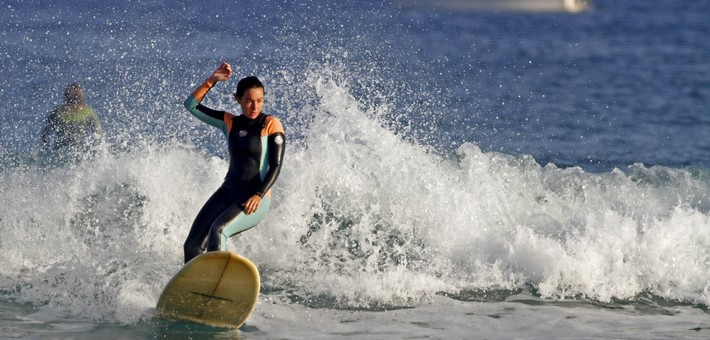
(223,72)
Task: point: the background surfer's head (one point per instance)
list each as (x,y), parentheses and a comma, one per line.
(73,94)
(250,96)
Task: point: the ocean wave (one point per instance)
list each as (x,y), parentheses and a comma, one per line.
(362,218)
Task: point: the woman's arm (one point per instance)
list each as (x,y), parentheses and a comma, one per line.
(203,113)
(276,143)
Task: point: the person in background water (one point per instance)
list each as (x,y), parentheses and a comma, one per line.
(74,123)
(256,143)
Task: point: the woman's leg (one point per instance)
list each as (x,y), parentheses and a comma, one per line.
(234,221)
(215,205)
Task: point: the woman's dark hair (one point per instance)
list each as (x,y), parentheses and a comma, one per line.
(245,84)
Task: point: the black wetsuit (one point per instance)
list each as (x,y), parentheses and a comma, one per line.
(256,148)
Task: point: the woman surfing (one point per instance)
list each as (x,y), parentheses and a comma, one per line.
(256,144)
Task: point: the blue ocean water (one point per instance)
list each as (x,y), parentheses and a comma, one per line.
(502,173)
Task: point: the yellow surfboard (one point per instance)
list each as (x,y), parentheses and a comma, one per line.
(218,288)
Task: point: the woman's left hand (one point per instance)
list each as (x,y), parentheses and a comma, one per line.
(252,204)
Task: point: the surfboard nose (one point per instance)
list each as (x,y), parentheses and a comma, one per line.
(217,288)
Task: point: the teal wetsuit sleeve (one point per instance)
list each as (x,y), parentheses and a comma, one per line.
(205,114)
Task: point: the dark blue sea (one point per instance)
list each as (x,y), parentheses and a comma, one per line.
(449,172)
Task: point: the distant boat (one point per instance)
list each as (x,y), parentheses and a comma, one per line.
(571,6)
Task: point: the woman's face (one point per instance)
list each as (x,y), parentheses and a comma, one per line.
(251,102)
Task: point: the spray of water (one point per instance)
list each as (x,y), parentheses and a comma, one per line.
(363,217)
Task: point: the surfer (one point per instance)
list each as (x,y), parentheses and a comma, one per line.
(74,122)
(256,144)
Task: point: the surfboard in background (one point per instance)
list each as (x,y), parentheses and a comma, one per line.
(216,288)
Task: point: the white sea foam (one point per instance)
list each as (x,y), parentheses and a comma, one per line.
(360,210)
(361,218)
